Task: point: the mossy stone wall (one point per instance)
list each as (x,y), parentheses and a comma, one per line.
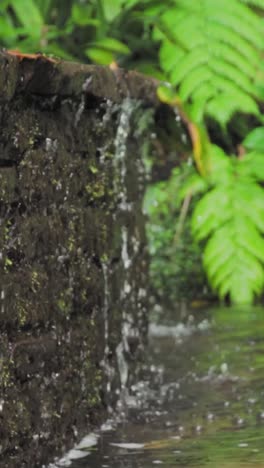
(73,257)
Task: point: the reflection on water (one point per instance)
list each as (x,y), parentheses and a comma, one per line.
(200,401)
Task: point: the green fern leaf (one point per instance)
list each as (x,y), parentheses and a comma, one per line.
(170,55)
(194,80)
(192,186)
(255,140)
(215,259)
(231,56)
(222,107)
(233,22)
(249,238)
(254,162)
(188,63)
(218,47)
(251,195)
(206,218)
(221,167)
(223,69)
(239,266)
(230,218)
(242,47)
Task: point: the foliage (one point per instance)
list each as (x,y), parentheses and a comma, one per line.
(173,256)
(211,52)
(234,252)
(100,31)
(215,77)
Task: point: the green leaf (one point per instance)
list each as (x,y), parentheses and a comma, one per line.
(81,15)
(170,55)
(253,163)
(223,106)
(194,80)
(217,56)
(7,30)
(28,13)
(112,9)
(230,218)
(194,184)
(110,44)
(102,57)
(255,140)
(188,62)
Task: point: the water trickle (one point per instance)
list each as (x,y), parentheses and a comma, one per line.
(80,110)
(105,362)
(106,307)
(124,205)
(2,297)
(51,146)
(127,261)
(110,107)
(123,129)
(122,365)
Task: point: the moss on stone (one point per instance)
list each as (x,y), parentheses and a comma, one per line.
(61,223)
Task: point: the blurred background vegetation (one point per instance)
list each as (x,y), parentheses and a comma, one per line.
(100,31)
(142,35)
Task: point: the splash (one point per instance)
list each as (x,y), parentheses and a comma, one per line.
(81,450)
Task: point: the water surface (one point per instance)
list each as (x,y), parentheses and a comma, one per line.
(200,400)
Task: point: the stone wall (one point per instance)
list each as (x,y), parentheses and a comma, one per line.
(72,249)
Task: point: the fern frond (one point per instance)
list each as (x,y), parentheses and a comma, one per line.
(255,140)
(170,55)
(194,80)
(231,74)
(218,46)
(230,218)
(188,63)
(222,109)
(255,162)
(242,46)
(193,185)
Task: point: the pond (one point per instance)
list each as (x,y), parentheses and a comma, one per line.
(199,401)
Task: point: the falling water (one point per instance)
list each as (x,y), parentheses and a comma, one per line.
(127,109)
(105,363)
(106,307)
(127,261)
(2,301)
(128,106)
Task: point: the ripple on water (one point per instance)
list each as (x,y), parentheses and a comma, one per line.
(199,403)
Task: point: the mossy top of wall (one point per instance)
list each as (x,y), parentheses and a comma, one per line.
(45,76)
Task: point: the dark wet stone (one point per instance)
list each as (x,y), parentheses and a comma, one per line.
(62,217)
